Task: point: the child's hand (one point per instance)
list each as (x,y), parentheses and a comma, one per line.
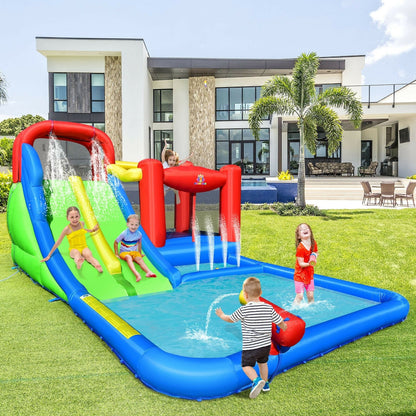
(96,227)
(219,312)
(45,259)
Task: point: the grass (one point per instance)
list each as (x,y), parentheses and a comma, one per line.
(52,364)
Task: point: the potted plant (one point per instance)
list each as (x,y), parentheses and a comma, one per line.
(286,186)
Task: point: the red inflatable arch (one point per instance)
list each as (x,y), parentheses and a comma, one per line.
(188,180)
(63,130)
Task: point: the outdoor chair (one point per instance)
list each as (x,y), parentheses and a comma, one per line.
(408,195)
(387,193)
(369,170)
(368,194)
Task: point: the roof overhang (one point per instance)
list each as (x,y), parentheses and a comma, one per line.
(176,68)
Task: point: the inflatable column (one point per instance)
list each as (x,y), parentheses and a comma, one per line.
(152,201)
(230,201)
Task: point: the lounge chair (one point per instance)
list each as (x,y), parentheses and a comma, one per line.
(408,195)
(369,170)
(387,193)
(368,194)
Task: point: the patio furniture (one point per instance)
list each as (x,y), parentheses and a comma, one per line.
(335,168)
(368,194)
(369,170)
(408,195)
(387,193)
(313,170)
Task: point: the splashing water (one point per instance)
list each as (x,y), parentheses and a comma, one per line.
(98,162)
(57,164)
(197,236)
(210,232)
(224,240)
(216,301)
(236,227)
(57,172)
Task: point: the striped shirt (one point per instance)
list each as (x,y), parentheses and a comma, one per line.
(256,324)
(129,241)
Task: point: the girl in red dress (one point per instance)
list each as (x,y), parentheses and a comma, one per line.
(306,254)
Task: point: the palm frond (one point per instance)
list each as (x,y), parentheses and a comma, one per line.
(278,85)
(343,97)
(328,119)
(303,80)
(310,133)
(266,106)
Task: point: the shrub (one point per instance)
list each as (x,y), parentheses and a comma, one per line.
(6,181)
(6,150)
(285,176)
(288,209)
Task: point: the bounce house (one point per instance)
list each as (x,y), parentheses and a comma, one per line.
(130,316)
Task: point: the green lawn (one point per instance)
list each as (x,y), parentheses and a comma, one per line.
(52,364)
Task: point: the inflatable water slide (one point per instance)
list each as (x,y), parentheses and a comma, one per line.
(36,215)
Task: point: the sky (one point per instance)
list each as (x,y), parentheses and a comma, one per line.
(382,30)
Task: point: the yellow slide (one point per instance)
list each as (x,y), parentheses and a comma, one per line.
(107,255)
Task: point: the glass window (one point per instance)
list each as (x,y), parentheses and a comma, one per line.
(238,147)
(234,103)
(60,100)
(163,105)
(97,93)
(159,137)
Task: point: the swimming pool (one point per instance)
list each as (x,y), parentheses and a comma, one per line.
(185,323)
(253,182)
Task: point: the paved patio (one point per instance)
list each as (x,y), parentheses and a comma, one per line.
(345,192)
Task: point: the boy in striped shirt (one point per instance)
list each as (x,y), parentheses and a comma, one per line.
(256,325)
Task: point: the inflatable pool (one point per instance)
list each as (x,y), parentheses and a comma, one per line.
(34,226)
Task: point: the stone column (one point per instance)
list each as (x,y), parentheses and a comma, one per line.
(202,121)
(113,110)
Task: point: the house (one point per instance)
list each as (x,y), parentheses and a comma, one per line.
(200,106)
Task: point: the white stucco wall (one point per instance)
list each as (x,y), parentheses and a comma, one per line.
(407,151)
(351,148)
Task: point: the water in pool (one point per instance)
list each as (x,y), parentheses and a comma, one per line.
(253,182)
(183,321)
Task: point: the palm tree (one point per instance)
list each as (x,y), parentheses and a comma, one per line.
(3,95)
(297,96)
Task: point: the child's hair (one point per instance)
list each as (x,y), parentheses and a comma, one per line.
(176,158)
(298,239)
(72,209)
(168,154)
(252,287)
(133,217)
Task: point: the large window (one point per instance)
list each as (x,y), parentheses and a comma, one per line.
(322,87)
(159,137)
(97,93)
(234,103)
(162,105)
(60,94)
(239,147)
(321,153)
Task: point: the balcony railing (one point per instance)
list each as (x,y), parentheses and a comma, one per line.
(386,93)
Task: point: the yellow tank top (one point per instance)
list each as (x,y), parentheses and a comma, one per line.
(77,239)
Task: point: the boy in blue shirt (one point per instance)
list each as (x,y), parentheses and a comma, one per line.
(131,247)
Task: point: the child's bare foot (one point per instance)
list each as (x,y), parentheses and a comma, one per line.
(79,262)
(138,277)
(150,274)
(99,268)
